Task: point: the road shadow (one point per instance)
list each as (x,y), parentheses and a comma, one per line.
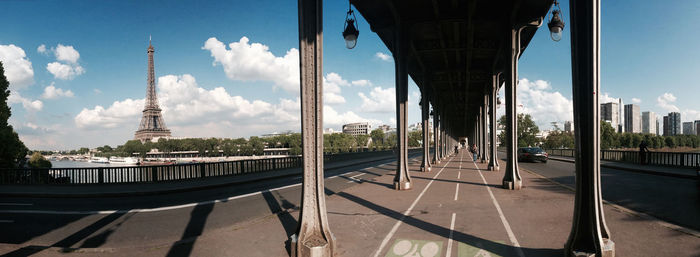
(457,181)
(281,211)
(195,227)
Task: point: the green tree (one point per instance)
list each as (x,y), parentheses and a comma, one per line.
(527,130)
(608,136)
(415,138)
(377,136)
(38,161)
(12,150)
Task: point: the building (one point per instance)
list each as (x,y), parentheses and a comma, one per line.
(274,134)
(330,131)
(569,126)
(688,128)
(152,126)
(697,127)
(358,128)
(674,119)
(633,121)
(609,112)
(649,123)
(386,128)
(620,117)
(667,126)
(657,127)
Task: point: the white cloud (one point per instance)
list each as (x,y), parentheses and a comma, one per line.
(379,100)
(636,100)
(255,62)
(384,57)
(118,114)
(545,106)
(29,128)
(690,115)
(42,49)
(331,88)
(66,54)
(64,71)
(666,101)
(28,104)
(361,83)
(51,92)
(97,91)
(605,98)
(18,69)
(332,118)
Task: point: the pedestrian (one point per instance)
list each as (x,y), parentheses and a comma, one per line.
(475,151)
(643,150)
(456,150)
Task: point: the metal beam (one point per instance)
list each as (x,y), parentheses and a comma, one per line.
(402,180)
(512,179)
(493,162)
(313,236)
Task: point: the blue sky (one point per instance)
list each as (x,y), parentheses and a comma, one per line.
(87,85)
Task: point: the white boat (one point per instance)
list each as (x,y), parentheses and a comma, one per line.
(123,160)
(99,160)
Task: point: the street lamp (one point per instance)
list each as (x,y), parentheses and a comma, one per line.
(556,25)
(350,33)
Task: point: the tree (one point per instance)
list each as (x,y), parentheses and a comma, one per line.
(377,136)
(608,136)
(415,138)
(12,150)
(527,130)
(38,161)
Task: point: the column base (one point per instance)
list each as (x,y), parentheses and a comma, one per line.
(492,168)
(608,250)
(513,185)
(313,246)
(405,185)
(425,169)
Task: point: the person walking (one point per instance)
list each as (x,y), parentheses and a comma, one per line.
(643,150)
(475,151)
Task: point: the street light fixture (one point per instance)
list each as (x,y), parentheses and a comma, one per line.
(350,33)
(556,25)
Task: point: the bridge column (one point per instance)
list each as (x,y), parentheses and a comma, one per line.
(484,130)
(425,113)
(402,180)
(436,136)
(313,236)
(589,233)
(493,162)
(512,179)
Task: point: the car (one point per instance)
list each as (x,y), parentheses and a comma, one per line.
(532,154)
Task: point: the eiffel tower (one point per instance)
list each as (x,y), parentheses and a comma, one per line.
(152,126)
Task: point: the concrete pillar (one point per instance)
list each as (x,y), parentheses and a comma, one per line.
(484,130)
(436,136)
(493,162)
(512,179)
(425,113)
(402,180)
(313,236)
(589,233)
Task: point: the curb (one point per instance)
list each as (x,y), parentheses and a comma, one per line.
(280,174)
(658,173)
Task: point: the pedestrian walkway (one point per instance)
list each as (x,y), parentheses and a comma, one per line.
(634,167)
(457,209)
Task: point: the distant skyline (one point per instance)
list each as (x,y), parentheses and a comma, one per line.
(230,69)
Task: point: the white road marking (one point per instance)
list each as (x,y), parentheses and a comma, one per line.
(165,208)
(7,221)
(398,222)
(355,179)
(448,253)
(456,191)
(511,236)
(459,174)
(17,204)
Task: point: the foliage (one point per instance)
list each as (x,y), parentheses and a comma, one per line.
(559,139)
(527,130)
(12,150)
(415,138)
(38,161)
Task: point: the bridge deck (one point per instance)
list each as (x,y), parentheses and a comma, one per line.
(457,207)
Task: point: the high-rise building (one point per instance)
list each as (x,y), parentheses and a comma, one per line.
(609,112)
(569,126)
(649,122)
(657,127)
(697,127)
(688,128)
(620,117)
(632,119)
(667,126)
(674,120)
(152,125)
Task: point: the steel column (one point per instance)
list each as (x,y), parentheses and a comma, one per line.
(512,179)
(484,130)
(436,136)
(425,113)
(402,180)
(493,162)
(589,233)
(313,237)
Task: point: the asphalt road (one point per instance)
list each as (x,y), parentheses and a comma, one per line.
(674,200)
(160,219)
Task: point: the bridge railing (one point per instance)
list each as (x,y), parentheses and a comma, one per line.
(675,159)
(161,173)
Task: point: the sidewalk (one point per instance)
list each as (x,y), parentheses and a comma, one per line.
(457,209)
(633,167)
(137,189)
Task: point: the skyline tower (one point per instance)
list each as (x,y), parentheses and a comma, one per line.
(152,125)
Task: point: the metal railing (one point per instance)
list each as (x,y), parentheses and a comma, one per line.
(161,173)
(675,159)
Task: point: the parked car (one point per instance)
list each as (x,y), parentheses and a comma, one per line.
(532,154)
